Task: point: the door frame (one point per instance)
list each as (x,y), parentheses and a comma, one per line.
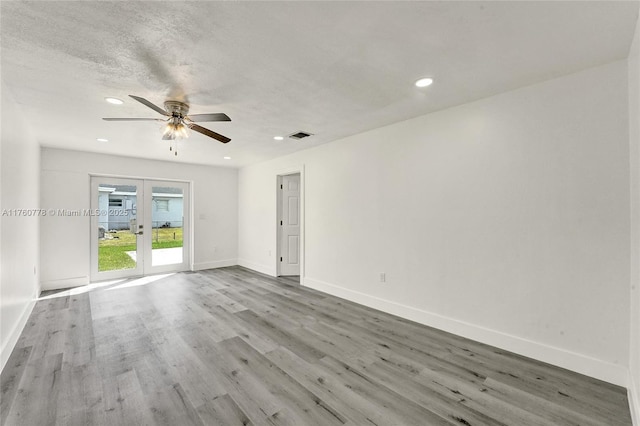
(145,266)
(299,169)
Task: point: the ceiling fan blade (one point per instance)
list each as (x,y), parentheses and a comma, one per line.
(219,116)
(133,119)
(209,133)
(150,105)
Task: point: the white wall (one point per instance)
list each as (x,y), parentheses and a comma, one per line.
(19,235)
(65,241)
(504,220)
(634,139)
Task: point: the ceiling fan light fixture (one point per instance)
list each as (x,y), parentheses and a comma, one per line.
(424,82)
(181,131)
(278,138)
(114,101)
(176,129)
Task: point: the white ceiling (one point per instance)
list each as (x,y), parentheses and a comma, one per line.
(329,68)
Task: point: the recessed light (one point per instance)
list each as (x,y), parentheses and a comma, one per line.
(278,138)
(227,158)
(424,82)
(114,101)
(102,140)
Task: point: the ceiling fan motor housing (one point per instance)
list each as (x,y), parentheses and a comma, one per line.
(176,108)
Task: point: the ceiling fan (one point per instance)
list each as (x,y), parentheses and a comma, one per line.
(178,121)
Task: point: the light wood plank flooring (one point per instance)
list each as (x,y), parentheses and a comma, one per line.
(234,347)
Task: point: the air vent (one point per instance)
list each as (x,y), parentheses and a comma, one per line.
(300,135)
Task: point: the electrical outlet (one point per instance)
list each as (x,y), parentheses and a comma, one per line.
(269,253)
(383,277)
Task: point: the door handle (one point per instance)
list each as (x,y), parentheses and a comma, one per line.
(138,233)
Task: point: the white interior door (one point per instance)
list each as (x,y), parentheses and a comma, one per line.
(138,227)
(290,225)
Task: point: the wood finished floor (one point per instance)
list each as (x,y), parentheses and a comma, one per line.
(233,347)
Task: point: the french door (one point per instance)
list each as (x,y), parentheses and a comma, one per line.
(138,227)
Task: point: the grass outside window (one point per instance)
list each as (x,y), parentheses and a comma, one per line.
(112,252)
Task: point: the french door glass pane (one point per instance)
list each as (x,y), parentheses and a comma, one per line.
(167,225)
(117,224)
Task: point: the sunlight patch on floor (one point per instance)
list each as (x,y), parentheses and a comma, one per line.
(82,289)
(106,285)
(140,281)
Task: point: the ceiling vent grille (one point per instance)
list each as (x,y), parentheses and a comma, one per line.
(300,135)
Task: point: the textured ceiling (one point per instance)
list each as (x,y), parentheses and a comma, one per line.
(330,68)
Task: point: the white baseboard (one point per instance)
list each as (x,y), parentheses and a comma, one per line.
(573,361)
(633,394)
(10,343)
(214,264)
(64,283)
(268,270)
